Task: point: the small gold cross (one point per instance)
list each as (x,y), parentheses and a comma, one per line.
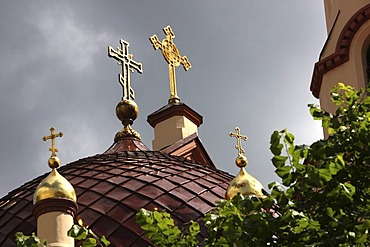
(52,137)
(173,58)
(238,137)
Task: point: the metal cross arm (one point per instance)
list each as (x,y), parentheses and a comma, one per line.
(155,41)
(185,62)
(128,65)
(122,56)
(168,31)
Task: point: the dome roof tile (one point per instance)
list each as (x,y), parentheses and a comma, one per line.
(112,187)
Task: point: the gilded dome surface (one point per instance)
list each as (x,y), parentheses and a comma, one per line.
(245,184)
(111,188)
(54,186)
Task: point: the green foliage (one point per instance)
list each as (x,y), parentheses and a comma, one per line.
(161,229)
(87,236)
(28,241)
(79,232)
(326,198)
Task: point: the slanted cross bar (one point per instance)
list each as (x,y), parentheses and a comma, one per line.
(52,137)
(238,137)
(173,58)
(125,60)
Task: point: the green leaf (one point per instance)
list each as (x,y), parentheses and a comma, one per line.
(157,216)
(325,123)
(301,225)
(289,138)
(276,150)
(325,175)
(275,145)
(316,112)
(78,232)
(89,242)
(279,161)
(104,241)
(314,180)
(28,241)
(288,179)
(348,189)
(268,202)
(330,212)
(73,232)
(283,171)
(334,167)
(194,228)
(276,186)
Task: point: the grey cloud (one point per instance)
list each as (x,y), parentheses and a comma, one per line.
(252,64)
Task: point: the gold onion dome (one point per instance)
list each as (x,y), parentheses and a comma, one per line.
(243,183)
(54,185)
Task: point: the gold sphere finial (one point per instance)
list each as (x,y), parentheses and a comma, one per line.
(54,162)
(127,111)
(241,161)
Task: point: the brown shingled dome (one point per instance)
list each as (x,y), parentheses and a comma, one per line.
(112,187)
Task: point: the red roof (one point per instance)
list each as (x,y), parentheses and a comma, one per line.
(113,186)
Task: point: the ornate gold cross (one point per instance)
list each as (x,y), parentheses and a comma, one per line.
(52,137)
(125,60)
(173,58)
(238,137)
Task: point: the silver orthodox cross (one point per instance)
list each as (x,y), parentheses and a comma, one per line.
(125,60)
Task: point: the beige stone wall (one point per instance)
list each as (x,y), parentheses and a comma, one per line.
(172,130)
(53,227)
(347,9)
(351,72)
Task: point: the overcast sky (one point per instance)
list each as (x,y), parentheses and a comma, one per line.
(252,63)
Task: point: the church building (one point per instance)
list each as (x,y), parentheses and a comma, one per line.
(106,190)
(345,56)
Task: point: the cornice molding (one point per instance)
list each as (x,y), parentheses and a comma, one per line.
(176,109)
(341,54)
(55,205)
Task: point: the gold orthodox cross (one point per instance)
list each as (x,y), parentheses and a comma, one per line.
(52,137)
(238,137)
(125,60)
(173,58)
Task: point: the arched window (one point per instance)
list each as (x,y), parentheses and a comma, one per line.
(368,65)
